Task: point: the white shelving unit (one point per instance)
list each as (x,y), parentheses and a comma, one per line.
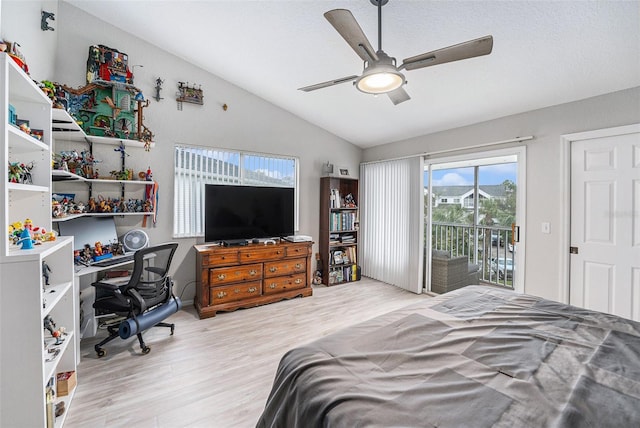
(22,201)
(26,365)
(67,133)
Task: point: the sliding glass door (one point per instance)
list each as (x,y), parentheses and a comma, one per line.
(473,212)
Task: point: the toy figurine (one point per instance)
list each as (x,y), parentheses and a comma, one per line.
(45,272)
(97,250)
(122,151)
(26,240)
(50,325)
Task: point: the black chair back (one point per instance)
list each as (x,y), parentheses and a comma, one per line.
(150,284)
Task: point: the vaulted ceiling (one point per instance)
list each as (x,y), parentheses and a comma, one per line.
(544,53)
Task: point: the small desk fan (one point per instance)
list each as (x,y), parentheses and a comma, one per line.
(135,240)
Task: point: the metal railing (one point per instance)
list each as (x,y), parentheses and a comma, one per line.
(487,246)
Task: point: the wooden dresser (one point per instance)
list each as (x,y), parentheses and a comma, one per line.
(229,278)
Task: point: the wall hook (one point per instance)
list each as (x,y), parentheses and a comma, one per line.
(44,24)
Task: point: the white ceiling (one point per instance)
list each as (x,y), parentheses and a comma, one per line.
(545,53)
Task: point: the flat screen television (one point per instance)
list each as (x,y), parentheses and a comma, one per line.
(235,213)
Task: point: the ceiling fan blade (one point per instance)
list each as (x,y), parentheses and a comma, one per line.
(398,96)
(470,49)
(345,24)
(327,84)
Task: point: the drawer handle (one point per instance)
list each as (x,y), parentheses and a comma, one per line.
(273,269)
(222,294)
(237,290)
(298,281)
(253,272)
(278,252)
(221,276)
(272,286)
(298,266)
(252,289)
(223,257)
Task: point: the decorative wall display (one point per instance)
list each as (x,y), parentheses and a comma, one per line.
(109,65)
(189,94)
(109,105)
(158,88)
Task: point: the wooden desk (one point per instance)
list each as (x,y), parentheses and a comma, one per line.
(229,278)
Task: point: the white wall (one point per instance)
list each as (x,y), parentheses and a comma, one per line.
(250,123)
(545,169)
(20,22)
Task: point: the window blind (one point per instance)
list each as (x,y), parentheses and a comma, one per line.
(391,222)
(196,166)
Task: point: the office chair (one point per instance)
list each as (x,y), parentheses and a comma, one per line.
(145,298)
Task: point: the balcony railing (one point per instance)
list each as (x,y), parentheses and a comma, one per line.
(488,247)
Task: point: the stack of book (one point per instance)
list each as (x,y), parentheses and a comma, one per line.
(348,239)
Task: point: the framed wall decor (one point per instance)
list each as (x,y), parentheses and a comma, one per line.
(189,94)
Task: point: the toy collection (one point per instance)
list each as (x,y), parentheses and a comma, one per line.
(66,206)
(11,48)
(20,172)
(27,235)
(96,253)
(108,105)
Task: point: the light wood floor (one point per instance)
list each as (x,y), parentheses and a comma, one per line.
(215,372)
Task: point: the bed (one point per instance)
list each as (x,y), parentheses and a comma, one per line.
(475,357)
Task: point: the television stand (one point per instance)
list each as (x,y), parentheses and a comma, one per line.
(233,242)
(230,278)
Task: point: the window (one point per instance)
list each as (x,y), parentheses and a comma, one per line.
(196,166)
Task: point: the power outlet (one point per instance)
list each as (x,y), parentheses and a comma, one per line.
(546,227)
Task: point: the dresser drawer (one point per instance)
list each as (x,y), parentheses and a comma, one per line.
(284,283)
(285,267)
(268,252)
(235,292)
(226,275)
(220,257)
(298,250)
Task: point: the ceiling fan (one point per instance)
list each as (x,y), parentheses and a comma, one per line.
(381,75)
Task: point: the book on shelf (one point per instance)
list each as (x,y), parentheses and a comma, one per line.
(335,198)
(337,257)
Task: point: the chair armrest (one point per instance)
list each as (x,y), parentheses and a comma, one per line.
(159,271)
(106,286)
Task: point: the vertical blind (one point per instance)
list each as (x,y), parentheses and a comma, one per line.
(391,223)
(196,166)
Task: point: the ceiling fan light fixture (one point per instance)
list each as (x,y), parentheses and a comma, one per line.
(380,77)
(380,82)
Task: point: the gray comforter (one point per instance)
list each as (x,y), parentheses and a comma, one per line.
(474,357)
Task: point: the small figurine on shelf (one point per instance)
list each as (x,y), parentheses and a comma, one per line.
(86,254)
(97,250)
(26,240)
(350,201)
(50,325)
(45,272)
(148,175)
(122,151)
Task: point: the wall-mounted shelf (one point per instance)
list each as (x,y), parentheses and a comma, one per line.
(66,132)
(65,128)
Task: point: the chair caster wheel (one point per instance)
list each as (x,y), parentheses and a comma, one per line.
(101,352)
(146,350)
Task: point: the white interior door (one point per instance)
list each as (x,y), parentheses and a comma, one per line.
(605,222)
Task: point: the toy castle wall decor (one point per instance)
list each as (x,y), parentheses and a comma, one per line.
(109,105)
